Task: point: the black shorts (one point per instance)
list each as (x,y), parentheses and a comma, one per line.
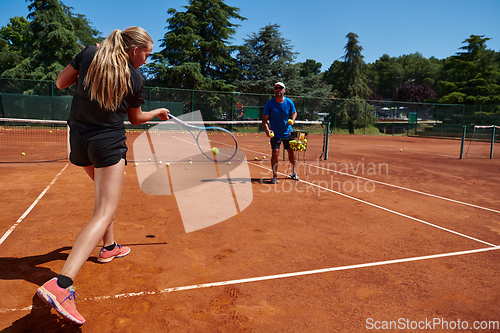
(276,142)
(100,153)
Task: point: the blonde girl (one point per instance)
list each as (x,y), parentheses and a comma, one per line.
(108,88)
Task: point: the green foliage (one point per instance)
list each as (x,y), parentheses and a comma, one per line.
(266,58)
(197,41)
(471,76)
(46,43)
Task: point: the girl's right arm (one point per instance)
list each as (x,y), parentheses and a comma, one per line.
(136,116)
(67,77)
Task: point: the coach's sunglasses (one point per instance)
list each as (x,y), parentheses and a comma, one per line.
(278,88)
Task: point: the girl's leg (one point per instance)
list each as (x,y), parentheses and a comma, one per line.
(108,238)
(108,184)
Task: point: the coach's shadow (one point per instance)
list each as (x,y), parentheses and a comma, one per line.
(40,319)
(29,269)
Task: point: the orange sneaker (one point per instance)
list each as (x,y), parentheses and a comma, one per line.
(118,252)
(63,300)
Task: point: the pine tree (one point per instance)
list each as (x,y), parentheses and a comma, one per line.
(53,42)
(197,46)
(266,58)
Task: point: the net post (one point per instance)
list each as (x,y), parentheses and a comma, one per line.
(492,141)
(464,130)
(327,139)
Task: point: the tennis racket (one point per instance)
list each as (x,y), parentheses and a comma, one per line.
(218,139)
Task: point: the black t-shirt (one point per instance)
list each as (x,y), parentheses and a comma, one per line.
(87,120)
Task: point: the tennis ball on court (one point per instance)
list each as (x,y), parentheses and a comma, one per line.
(168,164)
(190,159)
(401,150)
(256,158)
(290,121)
(23,153)
(190,162)
(50,131)
(229,163)
(160,162)
(263,157)
(149,159)
(136,164)
(215,151)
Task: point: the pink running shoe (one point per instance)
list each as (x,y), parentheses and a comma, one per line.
(61,299)
(118,252)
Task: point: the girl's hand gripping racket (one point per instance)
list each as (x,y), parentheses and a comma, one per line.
(221,145)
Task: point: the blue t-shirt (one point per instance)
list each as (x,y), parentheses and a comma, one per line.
(279,113)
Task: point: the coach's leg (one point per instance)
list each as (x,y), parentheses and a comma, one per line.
(274,162)
(293,162)
(108,184)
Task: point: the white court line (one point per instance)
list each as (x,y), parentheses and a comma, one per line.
(19,220)
(386,209)
(391,185)
(408,189)
(275,277)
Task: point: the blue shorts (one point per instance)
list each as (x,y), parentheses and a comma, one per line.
(276,142)
(100,153)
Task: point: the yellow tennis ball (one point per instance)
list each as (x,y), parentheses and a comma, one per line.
(190,162)
(271,134)
(263,157)
(229,163)
(136,164)
(215,151)
(149,159)
(256,158)
(168,164)
(401,150)
(160,162)
(290,121)
(23,153)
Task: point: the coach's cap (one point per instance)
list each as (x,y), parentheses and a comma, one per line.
(278,84)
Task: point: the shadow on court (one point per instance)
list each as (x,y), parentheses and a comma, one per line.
(41,319)
(29,269)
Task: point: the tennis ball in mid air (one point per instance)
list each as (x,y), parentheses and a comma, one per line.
(290,121)
(215,151)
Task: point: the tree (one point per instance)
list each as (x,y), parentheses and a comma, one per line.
(197,46)
(310,67)
(53,42)
(411,92)
(471,76)
(13,39)
(87,35)
(266,57)
(354,84)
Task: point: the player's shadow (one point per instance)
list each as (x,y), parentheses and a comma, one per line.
(41,319)
(29,268)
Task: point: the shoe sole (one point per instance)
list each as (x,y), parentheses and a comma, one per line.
(51,300)
(103,261)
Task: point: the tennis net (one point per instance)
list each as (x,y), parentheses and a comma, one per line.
(34,141)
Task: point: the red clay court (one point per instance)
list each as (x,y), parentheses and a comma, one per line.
(389,232)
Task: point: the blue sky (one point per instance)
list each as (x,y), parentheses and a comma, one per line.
(317,29)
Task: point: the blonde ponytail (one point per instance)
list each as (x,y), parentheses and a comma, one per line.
(108,76)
